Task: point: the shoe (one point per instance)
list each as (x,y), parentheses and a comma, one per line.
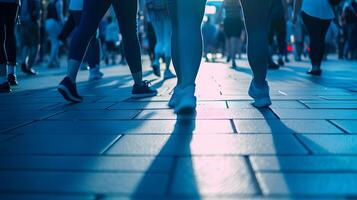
(287,60)
(26,70)
(228,59)
(174,97)
(11,78)
(315,72)
(168,74)
(234,65)
(186,102)
(95,74)
(156,70)
(69,91)
(143,91)
(260,95)
(5,87)
(273,65)
(281,62)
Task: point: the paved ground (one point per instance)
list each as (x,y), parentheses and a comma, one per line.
(111,147)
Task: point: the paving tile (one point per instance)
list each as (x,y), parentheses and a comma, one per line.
(25,106)
(58,144)
(285,126)
(81,182)
(23,115)
(332,106)
(276,104)
(330,144)
(209,176)
(342,97)
(6,125)
(163,105)
(316,113)
(81,106)
(127,127)
(348,125)
(98,114)
(304,163)
(308,184)
(45,197)
(209,114)
(86,163)
(206,145)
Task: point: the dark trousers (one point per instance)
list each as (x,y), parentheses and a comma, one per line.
(93,12)
(8,14)
(278,29)
(317,29)
(92,56)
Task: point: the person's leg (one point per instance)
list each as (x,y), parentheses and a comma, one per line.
(257,14)
(126,12)
(93,11)
(186,16)
(157,22)
(186,47)
(324,25)
(167,44)
(314,30)
(3,59)
(234,50)
(281,38)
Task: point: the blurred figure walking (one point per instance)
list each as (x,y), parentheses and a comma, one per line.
(8,16)
(93,12)
(317,16)
(160,20)
(30,34)
(53,25)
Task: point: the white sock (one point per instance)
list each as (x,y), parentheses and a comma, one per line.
(3,79)
(11,69)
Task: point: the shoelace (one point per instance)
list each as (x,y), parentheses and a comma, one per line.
(146,83)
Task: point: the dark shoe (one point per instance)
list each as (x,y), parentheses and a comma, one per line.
(24,68)
(27,70)
(273,66)
(143,91)
(5,87)
(315,72)
(11,78)
(69,91)
(156,70)
(281,62)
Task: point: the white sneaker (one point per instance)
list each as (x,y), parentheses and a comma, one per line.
(186,101)
(95,74)
(173,99)
(168,74)
(260,95)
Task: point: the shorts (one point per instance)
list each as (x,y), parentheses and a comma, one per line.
(233,27)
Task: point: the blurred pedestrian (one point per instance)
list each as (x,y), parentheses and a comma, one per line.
(317,16)
(8,16)
(93,12)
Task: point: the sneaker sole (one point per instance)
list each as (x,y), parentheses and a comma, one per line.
(261,103)
(141,96)
(67,95)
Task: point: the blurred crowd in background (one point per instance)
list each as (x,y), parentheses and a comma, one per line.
(43,38)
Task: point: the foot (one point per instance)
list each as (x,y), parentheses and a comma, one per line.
(5,87)
(281,62)
(68,90)
(273,65)
(27,70)
(168,74)
(228,59)
(175,94)
(95,74)
(186,102)
(11,78)
(234,65)
(156,70)
(316,72)
(143,91)
(260,94)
